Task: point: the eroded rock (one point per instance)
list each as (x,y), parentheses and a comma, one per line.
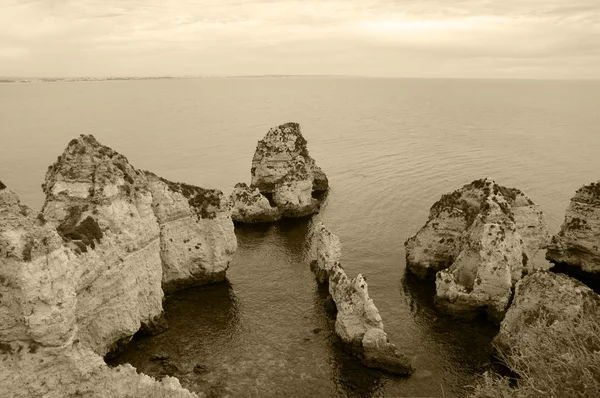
(479,240)
(63,307)
(358,323)
(250,206)
(282,169)
(98,200)
(577,245)
(549,297)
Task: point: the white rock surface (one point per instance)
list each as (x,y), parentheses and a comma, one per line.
(60,311)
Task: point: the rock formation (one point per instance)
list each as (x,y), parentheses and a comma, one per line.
(65,305)
(577,245)
(358,323)
(97,200)
(478,241)
(282,170)
(554,298)
(250,206)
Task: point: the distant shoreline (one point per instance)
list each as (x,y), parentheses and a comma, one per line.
(31,80)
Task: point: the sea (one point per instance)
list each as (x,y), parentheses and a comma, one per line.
(390,148)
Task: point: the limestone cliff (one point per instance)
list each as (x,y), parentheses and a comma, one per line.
(577,245)
(479,240)
(358,323)
(282,169)
(64,305)
(97,200)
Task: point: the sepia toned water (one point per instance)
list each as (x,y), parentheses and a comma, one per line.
(390,147)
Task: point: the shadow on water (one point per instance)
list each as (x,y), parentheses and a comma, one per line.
(463,344)
(202,321)
(351,378)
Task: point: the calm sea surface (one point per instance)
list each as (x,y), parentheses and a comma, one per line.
(390,148)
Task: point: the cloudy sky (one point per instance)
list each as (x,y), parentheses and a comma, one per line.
(406,38)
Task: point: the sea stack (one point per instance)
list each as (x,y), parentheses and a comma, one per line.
(478,241)
(285,175)
(67,299)
(358,323)
(576,248)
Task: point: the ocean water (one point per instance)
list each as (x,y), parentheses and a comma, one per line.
(390,147)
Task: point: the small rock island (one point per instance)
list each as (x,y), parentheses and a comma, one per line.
(286,181)
(478,242)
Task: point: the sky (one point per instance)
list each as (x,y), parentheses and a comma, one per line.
(554,39)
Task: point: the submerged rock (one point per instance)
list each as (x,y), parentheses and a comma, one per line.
(283,169)
(358,323)
(554,299)
(250,206)
(479,240)
(97,200)
(63,308)
(577,245)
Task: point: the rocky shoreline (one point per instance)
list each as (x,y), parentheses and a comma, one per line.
(82,276)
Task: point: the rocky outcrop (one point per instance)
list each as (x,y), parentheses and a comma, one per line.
(577,245)
(64,305)
(97,200)
(281,153)
(250,206)
(555,299)
(324,251)
(478,241)
(358,323)
(283,170)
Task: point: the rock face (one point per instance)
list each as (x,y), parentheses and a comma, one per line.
(281,153)
(64,305)
(577,245)
(97,200)
(282,169)
(358,323)
(478,241)
(555,297)
(250,206)
(325,251)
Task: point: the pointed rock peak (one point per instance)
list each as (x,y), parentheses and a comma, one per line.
(2,186)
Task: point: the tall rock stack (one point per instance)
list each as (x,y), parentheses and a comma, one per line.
(283,174)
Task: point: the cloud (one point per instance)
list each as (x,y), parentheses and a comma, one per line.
(212,37)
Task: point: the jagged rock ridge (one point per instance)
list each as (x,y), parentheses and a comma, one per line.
(358,323)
